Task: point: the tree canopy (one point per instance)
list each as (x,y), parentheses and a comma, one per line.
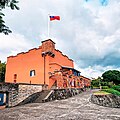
(2,72)
(3,4)
(112,76)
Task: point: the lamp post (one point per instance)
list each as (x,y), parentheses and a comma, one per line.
(100,78)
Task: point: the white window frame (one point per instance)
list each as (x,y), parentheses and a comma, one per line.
(32,73)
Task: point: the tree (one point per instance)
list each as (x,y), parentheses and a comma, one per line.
(3,4)
(111,76)
(96,82)
(2,72)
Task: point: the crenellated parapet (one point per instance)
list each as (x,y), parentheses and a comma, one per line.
(64,55)
(23,53)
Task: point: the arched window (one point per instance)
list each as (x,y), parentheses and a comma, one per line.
(32,73)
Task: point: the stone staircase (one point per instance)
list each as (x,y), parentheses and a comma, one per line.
(57,94)
(44,95)
(49,95)
(38,97)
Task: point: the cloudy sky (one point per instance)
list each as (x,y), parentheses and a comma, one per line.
(88,32)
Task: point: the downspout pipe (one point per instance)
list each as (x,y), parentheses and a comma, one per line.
(44,69)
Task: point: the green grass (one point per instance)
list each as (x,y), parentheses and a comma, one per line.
(112,91)
(106,90)
(95,87)
(101,93)
(116,87)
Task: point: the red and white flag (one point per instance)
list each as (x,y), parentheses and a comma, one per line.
(54,18)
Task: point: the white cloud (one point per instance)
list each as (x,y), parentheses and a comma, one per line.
(88,32)
(95,71)
(12,44)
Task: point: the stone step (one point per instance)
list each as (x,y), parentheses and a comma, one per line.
(43,95)
(47,97)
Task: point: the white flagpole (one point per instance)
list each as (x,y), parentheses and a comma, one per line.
(48,26)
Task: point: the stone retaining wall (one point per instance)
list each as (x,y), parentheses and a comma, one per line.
(109,100)
(18,95)
(58,94)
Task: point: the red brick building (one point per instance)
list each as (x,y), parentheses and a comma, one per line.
(43,65)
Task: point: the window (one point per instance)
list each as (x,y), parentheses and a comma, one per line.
(32,73)
(15,76)
(78,74)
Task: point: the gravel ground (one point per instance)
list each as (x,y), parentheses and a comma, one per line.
(75,108)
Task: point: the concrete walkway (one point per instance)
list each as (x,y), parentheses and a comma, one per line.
(75,108)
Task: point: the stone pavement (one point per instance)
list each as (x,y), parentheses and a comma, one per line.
(75,108)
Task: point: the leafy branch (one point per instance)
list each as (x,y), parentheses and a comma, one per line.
(3,4)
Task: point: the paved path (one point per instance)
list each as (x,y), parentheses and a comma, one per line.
(75,108)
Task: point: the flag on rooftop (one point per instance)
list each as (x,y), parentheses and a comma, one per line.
(54,18)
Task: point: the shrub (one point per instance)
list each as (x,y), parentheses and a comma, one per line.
(104,83)
(110,84)
(105,87)
(95,83)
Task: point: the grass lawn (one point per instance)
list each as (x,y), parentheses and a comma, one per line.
(112,91)
(101,93)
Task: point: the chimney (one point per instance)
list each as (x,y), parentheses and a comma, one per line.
(48,47)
